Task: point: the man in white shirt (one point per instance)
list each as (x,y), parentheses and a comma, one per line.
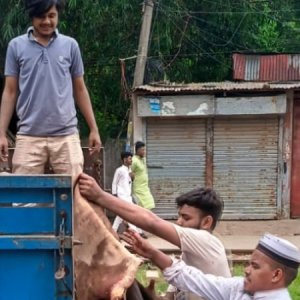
(121,186)
(198,213)
(272,268)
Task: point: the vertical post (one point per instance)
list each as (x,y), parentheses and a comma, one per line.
(209,153)
(139,72)
(143,44)
(288,163)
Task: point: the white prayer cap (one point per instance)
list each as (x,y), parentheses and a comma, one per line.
(279,250)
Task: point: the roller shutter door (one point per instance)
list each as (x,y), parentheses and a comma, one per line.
(176,160)
(245,166)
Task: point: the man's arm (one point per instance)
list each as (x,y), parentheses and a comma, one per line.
(182,276)
(133,166)
(8,104)
(142,247)
(134,214)
(83,101)
(188,278)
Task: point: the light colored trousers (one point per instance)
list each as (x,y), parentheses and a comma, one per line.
(63,153)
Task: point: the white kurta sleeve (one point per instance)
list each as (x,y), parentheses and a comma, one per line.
(187,278)
(116,179)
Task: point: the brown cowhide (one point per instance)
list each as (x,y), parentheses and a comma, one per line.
(104,268)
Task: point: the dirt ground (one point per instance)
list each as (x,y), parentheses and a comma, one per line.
(278,227)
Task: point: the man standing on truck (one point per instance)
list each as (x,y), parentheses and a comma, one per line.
(43,70)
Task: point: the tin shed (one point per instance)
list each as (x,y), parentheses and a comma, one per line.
(234,137)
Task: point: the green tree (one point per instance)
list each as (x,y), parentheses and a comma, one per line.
(191,41)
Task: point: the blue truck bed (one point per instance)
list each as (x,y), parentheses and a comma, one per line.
(36,237)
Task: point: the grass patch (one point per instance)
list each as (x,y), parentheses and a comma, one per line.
(294,288)
(160,286)
(238,270)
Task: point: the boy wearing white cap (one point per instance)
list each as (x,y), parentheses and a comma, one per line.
(273,266)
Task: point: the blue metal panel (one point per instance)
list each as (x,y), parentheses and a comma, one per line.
(29,275)
(32,242)
(41,181)
(21,195)
(34,239)
(41,220)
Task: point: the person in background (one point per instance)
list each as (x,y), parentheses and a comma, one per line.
(121,186)
(141,190)
(272,268)
(43,81)
(198,213)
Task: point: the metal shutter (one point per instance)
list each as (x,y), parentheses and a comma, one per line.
(246,166)
(176,160)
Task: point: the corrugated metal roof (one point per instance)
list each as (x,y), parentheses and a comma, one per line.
(171,88)
(266,67)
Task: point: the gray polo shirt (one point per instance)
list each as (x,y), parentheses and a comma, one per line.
(45,105)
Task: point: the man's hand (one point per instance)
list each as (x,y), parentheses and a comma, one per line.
(94,142)
(89,188)
(138,244)
(145,249)
(3,149)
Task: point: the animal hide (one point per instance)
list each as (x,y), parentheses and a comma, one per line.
(104,269)
(138,292)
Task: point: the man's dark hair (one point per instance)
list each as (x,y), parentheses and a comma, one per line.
(206,200)
(36,8)
(139,145)
(125,154)
(290,273)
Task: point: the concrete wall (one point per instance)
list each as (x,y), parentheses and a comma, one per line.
(207,105)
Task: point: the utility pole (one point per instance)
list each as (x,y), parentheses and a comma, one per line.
(139,72)
(143,44)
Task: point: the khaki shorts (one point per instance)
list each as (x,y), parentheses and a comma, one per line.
(63,153)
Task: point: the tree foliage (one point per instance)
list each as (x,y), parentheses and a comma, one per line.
(190,41)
